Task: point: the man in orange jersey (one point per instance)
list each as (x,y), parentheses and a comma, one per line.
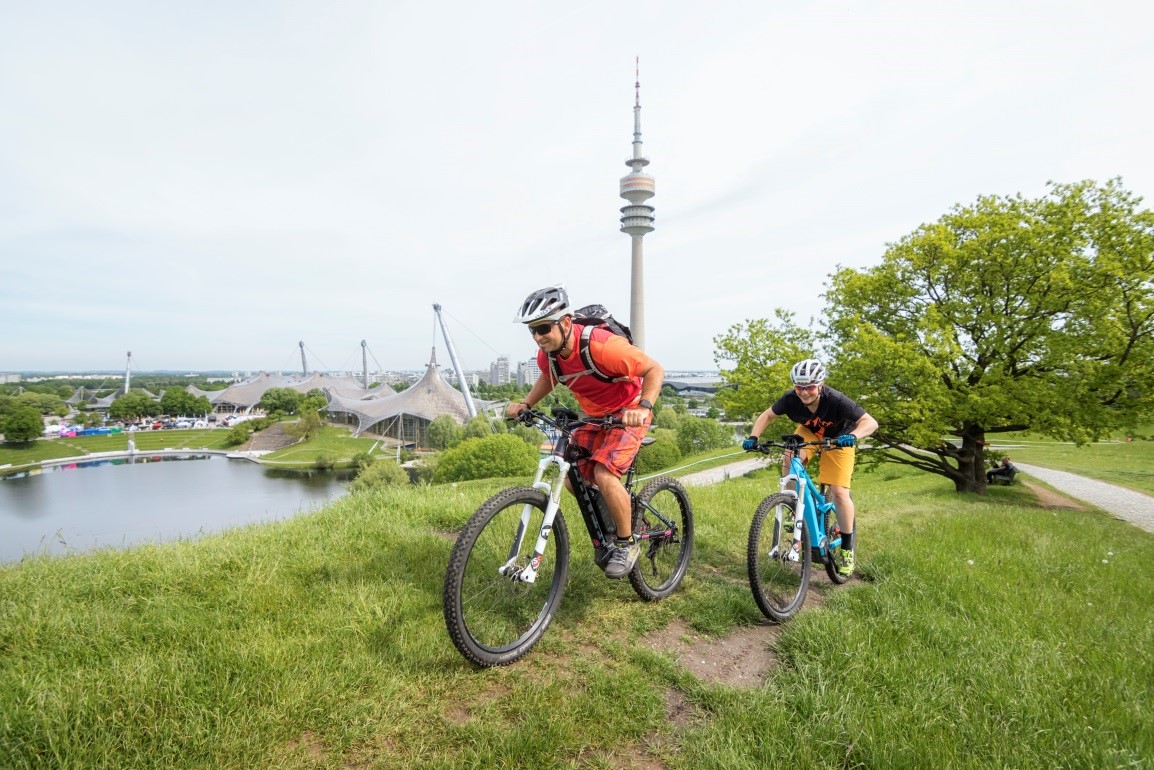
(624,383)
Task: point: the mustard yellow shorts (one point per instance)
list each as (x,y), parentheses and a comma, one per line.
(836,464)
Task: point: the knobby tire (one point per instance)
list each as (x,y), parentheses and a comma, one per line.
(494,620)
(666,545)
(778,585)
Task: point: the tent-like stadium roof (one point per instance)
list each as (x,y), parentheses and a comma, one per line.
(429,398)
(246,395)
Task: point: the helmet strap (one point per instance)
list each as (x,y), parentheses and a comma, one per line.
(566,335)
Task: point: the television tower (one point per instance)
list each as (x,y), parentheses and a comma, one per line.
(637,218)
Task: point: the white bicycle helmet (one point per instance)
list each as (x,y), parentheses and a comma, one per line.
(808,372)
(549,304)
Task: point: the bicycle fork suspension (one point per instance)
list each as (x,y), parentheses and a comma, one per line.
(528,573)
(798,516)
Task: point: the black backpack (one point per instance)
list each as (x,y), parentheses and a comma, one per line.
(591,317)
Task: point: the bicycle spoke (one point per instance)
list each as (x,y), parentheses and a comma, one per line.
(664,524)
(778,571)
(494,618)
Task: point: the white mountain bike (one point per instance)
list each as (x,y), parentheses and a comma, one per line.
(501,588)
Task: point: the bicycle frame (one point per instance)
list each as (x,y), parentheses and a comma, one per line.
(585,502)
(808,504)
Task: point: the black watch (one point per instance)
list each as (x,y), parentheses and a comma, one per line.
(645,404)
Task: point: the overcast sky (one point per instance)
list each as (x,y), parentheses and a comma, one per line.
(207,184)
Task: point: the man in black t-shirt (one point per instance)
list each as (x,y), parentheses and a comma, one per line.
(821,412)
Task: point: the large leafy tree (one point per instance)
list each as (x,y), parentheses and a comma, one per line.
(22,423)
(180,401)
(284,400)
(1006,315)
(134,405)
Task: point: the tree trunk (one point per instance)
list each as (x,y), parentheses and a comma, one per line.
(971,461)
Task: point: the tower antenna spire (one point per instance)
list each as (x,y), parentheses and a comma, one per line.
(637,217)
(637,83)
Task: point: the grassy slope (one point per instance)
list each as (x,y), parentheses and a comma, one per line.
(988,633)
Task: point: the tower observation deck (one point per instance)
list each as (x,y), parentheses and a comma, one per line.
(637,187)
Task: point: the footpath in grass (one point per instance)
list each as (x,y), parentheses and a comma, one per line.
(985,632)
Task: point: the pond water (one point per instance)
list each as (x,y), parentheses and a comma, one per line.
(111,503)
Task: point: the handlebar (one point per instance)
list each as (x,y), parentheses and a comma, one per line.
(566,420)
(764,446)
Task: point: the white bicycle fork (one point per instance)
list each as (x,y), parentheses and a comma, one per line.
(529,573)
(798,516)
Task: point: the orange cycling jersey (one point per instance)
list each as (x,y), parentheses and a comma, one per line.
(614,356)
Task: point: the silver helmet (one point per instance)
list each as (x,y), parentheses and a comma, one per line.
(808,372)
(549,304)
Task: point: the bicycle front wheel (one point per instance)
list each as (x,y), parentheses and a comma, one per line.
(778,571)
(492,616)
(663,523)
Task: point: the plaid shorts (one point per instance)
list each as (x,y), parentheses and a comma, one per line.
(614,447)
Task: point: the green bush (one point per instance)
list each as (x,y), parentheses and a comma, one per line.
(661,454)
(666,417)
(362,460)
(531,436)
(479,427)
(384,473)
(238,434)
(445,432)
(426,469)
(700,434)
(486,458)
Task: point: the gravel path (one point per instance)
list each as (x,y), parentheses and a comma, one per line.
(723,472)
(1134,507)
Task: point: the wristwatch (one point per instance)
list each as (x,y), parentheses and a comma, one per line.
(645,404)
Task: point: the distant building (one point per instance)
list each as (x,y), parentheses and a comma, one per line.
(499,371)
(6,378)
(528,372)
(471,378)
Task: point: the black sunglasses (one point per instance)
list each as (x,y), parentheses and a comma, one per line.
(541,330)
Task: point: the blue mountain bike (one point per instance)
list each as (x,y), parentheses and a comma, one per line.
(790,529)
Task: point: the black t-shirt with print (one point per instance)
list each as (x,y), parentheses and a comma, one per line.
(836,412)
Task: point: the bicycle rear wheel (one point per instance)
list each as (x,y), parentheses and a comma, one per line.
(663,522)
(778,573)
(833,554)
(494,618)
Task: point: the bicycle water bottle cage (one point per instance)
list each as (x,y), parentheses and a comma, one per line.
(792,441)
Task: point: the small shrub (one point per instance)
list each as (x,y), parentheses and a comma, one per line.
(426,469)
(530,435)
(486,458)
(324,463)
(661,454)
(384,473)
(238,434)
